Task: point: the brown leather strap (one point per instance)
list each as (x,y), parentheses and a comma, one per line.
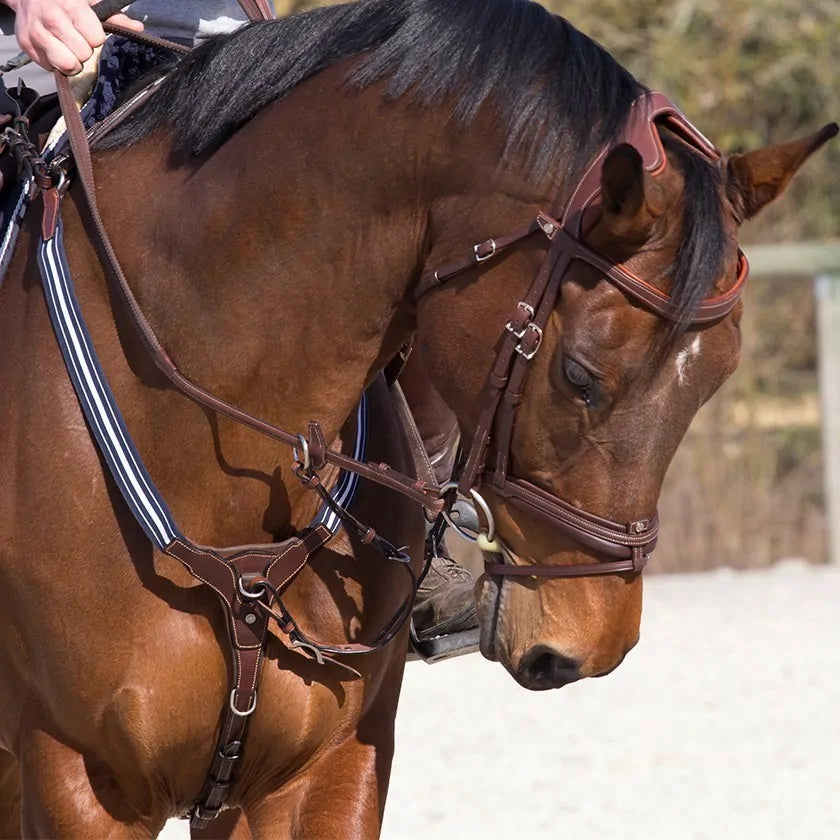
(530,338)
(422,465)
(489,249)
(602,535)
(258,9)
(146,39)
(634,541)
(503,391)
(497,381)
(639,131)
(121,113)
(709,310)
(612,567)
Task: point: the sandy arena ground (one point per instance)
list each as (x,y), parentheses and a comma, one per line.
(723,723)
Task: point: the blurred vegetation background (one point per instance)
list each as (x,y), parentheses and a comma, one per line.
(745,488)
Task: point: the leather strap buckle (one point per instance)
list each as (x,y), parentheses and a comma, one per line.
(528,346)
(519,329)
(230,752)
(481,250)
(248,712)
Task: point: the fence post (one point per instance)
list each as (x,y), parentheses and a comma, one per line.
(827,294)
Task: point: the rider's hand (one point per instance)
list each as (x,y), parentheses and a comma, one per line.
(61,34)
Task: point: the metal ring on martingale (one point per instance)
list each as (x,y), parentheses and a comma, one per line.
(246,713)
(477,499)
(250,594)
(306,464)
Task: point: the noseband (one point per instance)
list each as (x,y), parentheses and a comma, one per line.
(630,543)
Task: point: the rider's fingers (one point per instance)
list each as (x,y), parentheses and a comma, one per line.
(87,25)
(38,56)
(55,55)
(70,37)
(126,22)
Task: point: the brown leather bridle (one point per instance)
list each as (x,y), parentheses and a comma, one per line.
(631,543)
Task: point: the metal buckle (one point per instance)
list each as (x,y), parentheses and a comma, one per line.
(478,257)
(251,594)
(237,747)
(529,354)
(509,325)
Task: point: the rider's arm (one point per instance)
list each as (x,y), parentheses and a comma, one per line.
(61,34)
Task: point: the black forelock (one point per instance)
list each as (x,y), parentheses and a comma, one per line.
(699,259)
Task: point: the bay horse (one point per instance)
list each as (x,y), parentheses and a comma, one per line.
(276,205)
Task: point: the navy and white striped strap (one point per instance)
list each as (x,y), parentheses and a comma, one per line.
(348,482)
(17,203)
(96,398)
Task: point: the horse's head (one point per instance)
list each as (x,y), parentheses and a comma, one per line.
(610,392)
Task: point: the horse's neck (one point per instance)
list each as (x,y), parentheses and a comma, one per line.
(275,271)
(278,271)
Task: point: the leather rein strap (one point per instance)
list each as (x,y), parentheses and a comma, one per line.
(631,542)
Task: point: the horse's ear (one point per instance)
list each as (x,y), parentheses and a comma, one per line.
(754,179)
(630,199)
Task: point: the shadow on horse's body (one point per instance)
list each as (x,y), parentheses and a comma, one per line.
(278,267)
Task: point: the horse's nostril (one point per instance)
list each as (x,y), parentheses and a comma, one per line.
(543,667)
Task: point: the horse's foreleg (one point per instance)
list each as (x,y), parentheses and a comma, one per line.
(9,797)
(341,795)
(63,797)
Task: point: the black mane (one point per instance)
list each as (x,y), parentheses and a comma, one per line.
(547,79)
(559,93)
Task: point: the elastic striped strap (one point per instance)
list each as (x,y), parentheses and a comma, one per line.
(17,212)
(97,399)
(348,482)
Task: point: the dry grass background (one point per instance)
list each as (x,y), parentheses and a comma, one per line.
(745,488)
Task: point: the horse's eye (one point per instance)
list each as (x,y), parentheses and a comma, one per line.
(579,378)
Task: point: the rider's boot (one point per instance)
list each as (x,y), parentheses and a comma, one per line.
(444,622)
